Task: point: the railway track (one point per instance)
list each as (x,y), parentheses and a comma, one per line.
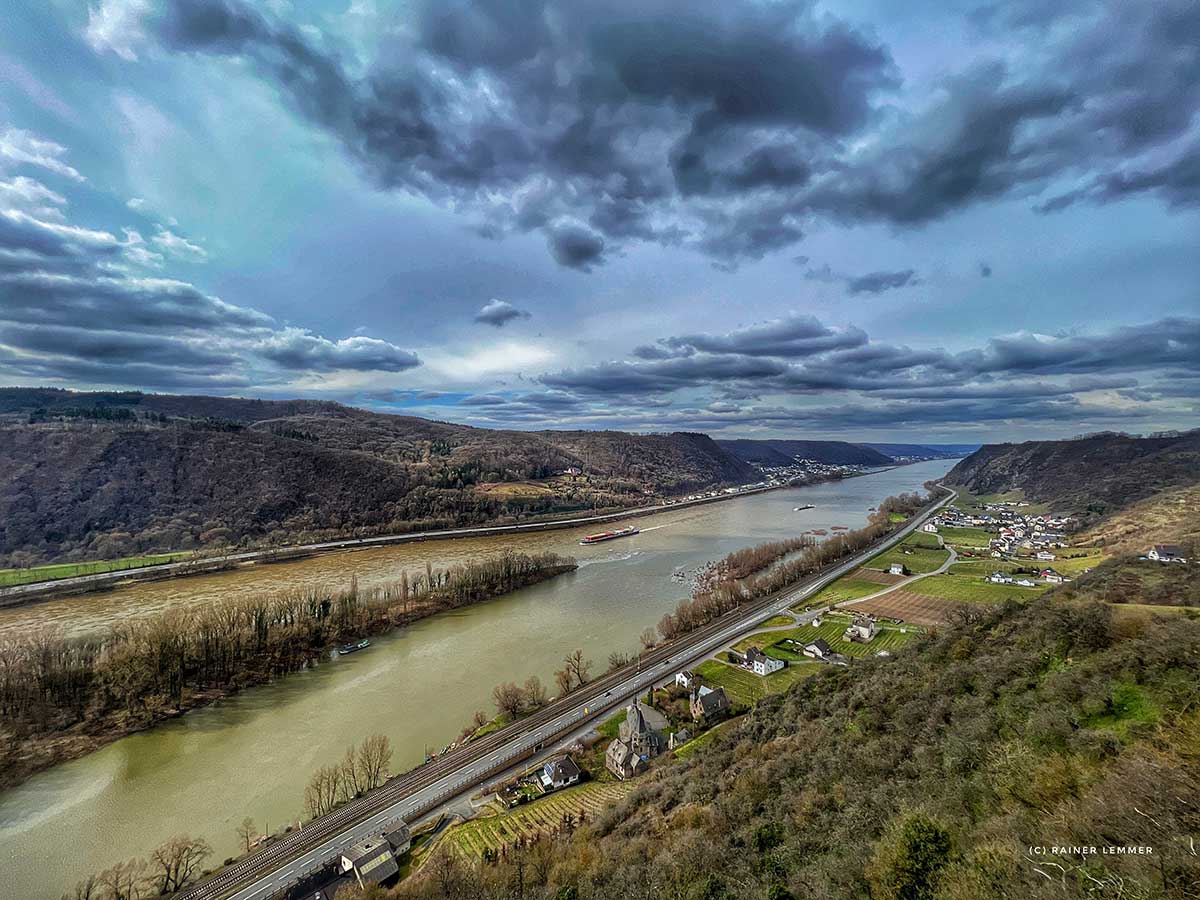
(312,836)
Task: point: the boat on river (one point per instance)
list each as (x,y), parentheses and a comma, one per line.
(608,535)
(804,507)
(347,649)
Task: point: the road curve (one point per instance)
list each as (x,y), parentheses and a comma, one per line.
(408,796)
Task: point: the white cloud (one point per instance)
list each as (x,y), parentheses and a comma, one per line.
(116,26)
(178,246)
(21,147)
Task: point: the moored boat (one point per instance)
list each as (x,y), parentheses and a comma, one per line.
(346,649)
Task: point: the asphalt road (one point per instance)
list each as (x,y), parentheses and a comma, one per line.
(515,745)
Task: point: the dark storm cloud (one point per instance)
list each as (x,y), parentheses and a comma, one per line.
(765,360)
(303,351)
(74,304)
(878,282)
(792,336)
(499,313)
(727,126)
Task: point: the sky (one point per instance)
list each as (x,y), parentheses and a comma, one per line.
(931,221)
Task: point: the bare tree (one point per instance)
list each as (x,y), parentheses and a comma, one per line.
(445,870)
(88,889)
(578,667)
(535,693)
(374,761)
(178,861)
(617,660)
(649,639)
(562,678)
(479,719)
(124,881)
(321,793)
(510,700)
(352,781)
(247,833)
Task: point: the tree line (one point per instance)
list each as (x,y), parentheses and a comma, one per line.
(141,672)
(170,867)
(752,573)
(362,769)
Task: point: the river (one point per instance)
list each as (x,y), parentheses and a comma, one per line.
(252,753)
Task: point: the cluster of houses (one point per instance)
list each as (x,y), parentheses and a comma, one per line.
(639,739)
(807,470)
(1017,533)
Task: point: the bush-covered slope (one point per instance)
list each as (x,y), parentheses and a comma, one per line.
(112,474)
(926,776)
(1090,477)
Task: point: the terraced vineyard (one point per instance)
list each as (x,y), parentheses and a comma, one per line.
(476,836)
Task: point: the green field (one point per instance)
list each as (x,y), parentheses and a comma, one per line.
(890,637)
(967,537)
(843,589)
(987,565)
(922,539)
(778,622)
(494,832)
(746,687)
(10,577)
(973,589)
(917,559)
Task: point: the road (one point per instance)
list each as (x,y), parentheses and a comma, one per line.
(416,793)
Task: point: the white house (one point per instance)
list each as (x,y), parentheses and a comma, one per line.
(1052,576)
(1000,578)
(896,569)
(559,772)
(1025,582)
(685,679)
(862,630)
(761,664)
(1046,555)
(818,649)
(929,528)
(1166,553)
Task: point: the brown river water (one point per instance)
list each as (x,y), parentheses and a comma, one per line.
(252,753)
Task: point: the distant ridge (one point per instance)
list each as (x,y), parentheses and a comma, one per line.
(784,452)
(922,451)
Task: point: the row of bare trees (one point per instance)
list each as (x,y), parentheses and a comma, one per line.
(171,867)
(140,672)
(751,573)
(362,769)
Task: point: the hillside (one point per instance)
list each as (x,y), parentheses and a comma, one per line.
(925,776)
(1090,477)
(97,476)
(786,452)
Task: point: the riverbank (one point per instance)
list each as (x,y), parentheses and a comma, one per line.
(64,698)
(251,754)
(33,592)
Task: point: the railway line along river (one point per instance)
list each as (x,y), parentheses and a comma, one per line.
(252,753)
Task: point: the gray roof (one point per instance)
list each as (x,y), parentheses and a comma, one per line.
(562,768)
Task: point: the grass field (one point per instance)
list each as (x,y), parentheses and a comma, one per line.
(10,577)
(778,621)
(922,539)
(967,537)
(846,588)
(746,687)
(918,560)
(973,589)
(890,637)
(494,832)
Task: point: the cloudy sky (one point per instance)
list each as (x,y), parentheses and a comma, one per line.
(943,220)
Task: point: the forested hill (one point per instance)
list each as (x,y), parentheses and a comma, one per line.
(102,475)
(1091,477)
(786,452)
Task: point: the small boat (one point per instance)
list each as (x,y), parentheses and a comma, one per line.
(347,649)
(804,507)
(608,535)
(840,528)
